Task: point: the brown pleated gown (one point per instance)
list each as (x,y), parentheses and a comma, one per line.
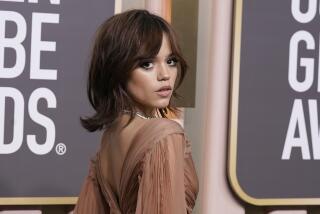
(146,168)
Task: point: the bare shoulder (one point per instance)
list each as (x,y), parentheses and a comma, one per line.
(145,132)
(164,124)
(159,128)
(167,123)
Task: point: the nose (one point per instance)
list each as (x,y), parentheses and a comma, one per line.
(163,72)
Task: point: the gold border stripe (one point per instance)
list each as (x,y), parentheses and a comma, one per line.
(38,200)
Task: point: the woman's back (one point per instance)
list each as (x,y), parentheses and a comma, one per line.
(145,168)
(115,144)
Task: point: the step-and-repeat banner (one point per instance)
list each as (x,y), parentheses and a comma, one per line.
(274,155)
(44,53)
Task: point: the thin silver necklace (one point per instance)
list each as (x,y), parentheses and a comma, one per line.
(139,114)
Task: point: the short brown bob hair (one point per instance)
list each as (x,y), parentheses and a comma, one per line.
(121,42)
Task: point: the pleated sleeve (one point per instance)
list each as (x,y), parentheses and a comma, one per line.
(162,187)
(91,199)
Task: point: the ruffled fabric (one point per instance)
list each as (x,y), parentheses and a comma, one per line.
(158,175)
(162,188)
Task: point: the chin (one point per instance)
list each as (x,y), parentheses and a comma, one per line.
(162,104)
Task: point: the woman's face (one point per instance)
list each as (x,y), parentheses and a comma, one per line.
(151,84)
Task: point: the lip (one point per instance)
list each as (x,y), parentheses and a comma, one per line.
(164,91)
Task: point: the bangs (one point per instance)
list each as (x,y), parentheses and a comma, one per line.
(150,38)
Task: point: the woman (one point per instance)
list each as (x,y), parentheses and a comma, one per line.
(144,163)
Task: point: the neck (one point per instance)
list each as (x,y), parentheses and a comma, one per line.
(146,111)
(150,113)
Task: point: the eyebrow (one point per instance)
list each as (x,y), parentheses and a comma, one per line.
(171,54)
(152,58)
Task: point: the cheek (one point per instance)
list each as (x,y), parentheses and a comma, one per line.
(174,77)
(139,85)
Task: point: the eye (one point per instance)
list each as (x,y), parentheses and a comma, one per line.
(146,65)
(172,61)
